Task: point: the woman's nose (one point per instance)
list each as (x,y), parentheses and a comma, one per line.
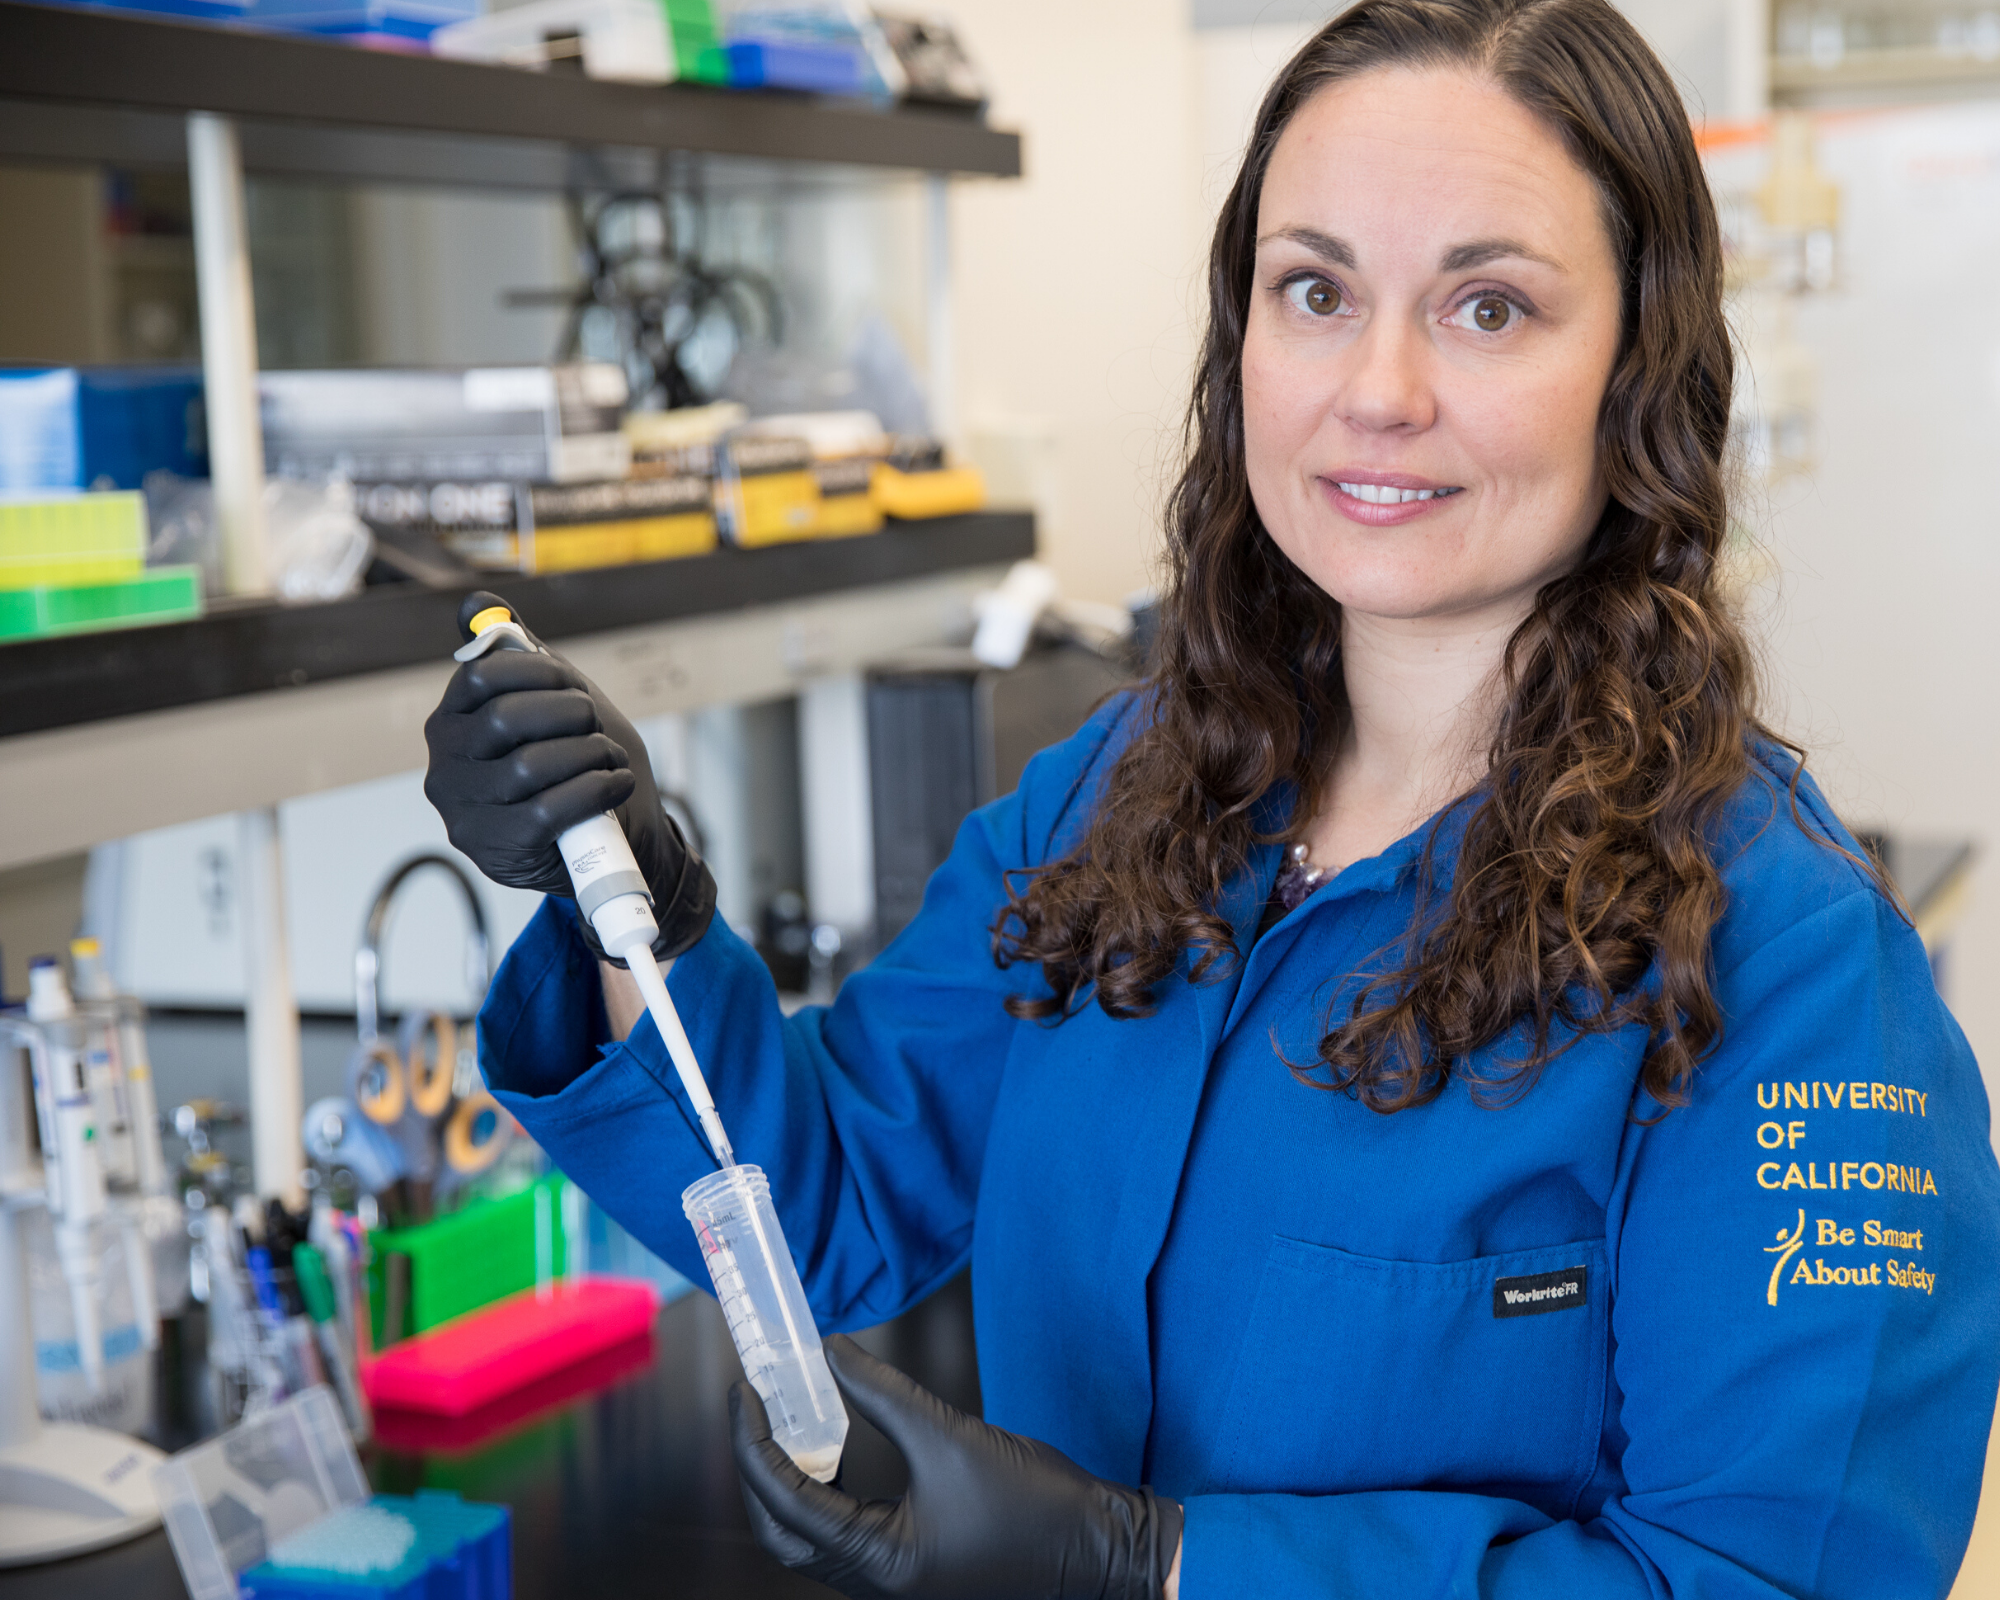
(1387,385)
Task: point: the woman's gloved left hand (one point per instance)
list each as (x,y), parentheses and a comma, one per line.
(988,1515)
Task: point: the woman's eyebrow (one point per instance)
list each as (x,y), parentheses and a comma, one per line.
(1462,258)
(1336,252)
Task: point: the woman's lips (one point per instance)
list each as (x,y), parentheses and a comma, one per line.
(1407,499)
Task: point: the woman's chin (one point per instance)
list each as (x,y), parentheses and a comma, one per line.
(1419,597)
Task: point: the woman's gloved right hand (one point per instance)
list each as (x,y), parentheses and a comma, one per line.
(523,747)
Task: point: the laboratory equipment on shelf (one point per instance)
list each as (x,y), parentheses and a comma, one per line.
(1800,209)
(64,1487)
(1780,216)
(98,994)
(742,1243)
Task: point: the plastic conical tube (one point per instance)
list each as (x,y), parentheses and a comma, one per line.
(758,1288)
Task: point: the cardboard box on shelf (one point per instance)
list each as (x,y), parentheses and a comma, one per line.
(542,527)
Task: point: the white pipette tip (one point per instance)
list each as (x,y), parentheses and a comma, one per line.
(646,973)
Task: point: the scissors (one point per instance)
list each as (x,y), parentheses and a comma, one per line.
(421,1086)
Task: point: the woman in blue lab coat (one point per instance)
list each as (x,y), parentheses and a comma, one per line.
(1425,1085)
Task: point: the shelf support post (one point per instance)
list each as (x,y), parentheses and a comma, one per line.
(270,1012)
(839,810)
(1747,62)
(937,302)
(228,348)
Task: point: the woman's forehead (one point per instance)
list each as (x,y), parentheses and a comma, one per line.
(1400,159)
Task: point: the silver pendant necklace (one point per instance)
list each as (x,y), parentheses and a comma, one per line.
(1298,878)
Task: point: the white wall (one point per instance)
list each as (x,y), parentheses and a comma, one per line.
(168,908)
(166,904)
(1881,624)
(1072,284)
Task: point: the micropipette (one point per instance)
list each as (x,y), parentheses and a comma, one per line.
(121,1091)
(69,1155)
(611,892)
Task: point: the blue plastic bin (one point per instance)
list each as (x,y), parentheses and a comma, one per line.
(75,427)
(395,19)
(780,64)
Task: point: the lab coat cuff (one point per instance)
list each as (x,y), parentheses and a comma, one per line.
(616,1084)
(543,1021)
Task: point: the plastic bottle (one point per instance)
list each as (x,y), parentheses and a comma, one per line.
(142,1112)
(103,1065)
(121,1396)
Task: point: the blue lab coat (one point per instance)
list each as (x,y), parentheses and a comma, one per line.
(1561,1346)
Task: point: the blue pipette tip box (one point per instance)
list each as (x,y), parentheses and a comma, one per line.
(427,1546)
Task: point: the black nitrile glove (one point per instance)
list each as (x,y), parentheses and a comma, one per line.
(522,748)
(988,1515)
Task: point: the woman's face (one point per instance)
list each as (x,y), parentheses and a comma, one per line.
(1432,324)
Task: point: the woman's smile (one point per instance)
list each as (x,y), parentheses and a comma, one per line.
(1385,499)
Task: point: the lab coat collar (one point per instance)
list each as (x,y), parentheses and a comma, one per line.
(1393,869)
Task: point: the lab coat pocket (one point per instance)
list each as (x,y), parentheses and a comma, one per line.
(1361,1373)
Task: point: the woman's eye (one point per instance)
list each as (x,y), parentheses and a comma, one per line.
(1315,296)
(1488,313)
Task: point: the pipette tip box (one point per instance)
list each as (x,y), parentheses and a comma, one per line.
(428,1546)
(474,1359)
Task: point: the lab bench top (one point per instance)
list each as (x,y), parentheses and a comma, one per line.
(627,1490)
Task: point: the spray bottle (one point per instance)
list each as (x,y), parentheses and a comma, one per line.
(756,1281)
(69,1154)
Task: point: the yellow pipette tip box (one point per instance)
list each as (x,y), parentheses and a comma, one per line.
(67,540)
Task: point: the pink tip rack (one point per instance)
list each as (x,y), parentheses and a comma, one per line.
(474,1359)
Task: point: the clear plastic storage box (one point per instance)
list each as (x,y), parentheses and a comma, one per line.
(227,1502)
(277,1509)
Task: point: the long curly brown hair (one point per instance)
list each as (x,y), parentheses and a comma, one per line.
(1586,887)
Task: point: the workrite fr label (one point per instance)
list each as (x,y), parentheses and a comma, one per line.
(1543,1291)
